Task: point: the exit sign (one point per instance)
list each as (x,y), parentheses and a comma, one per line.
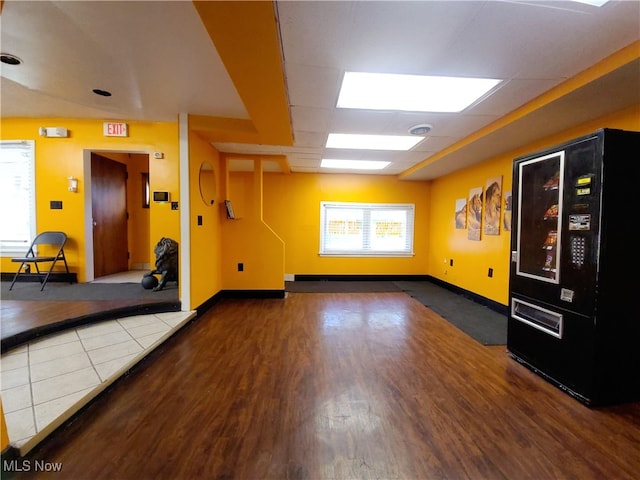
(115,129)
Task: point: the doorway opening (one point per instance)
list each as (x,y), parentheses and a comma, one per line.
(116,215)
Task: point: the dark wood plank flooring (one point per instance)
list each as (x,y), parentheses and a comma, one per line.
(23,320)
(338,386)
(19,316)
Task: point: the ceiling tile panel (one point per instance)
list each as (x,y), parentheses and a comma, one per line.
(159,61)
(311,118)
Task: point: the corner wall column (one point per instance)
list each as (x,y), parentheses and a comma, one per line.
(185,213)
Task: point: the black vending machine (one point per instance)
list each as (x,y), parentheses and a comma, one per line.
(574,293)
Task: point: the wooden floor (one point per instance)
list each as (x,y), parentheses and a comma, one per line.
(22,320)
(338,386)
(20,316)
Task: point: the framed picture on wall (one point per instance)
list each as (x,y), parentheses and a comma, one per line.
(506,221)
(460,216)
(474,213)
(492,206)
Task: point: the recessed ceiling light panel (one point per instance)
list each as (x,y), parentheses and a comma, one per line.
(372,142)
(353,164)
(415,93)
(595,3)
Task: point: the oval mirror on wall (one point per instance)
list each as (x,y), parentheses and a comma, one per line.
(207,179)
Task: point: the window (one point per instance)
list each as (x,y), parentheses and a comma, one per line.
(17,189)
(366,229)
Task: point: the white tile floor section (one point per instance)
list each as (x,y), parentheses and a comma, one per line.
(47,380)
(131,276)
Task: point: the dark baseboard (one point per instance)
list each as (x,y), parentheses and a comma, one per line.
(61,277)
(206,305)
(253,293)
(360,278)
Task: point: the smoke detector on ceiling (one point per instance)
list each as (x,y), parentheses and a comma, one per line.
(420,130)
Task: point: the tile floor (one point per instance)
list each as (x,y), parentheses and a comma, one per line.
(44,382)
(131,276)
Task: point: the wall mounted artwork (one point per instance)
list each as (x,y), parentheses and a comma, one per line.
(461,213)
(492,206)
(474,213)
(506,222)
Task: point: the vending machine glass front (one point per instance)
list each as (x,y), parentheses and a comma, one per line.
(539,217)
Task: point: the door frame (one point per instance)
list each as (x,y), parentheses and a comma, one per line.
(88,206)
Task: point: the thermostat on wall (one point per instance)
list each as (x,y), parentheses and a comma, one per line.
(161,196)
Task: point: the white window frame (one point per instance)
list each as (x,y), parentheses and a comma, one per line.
(367,209)
(11,243)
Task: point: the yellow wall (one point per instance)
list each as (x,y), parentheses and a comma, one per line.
(59,158)
(249,239)
(278,228)
(4,435)
(139,217)
(472,258)
(205,241)
(292,209)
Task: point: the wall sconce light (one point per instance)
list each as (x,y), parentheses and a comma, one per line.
(60,132)
(73,184)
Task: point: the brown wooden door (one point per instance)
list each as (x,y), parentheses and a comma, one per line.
(109,211)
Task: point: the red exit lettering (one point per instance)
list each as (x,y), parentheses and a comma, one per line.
(112,129)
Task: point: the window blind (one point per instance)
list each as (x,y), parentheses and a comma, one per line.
(17,192)
(366,229)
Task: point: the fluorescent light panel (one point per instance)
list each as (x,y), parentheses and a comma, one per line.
(353,164)
(372,142)
(414,93)
(595,3)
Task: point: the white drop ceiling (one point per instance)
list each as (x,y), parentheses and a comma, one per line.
(158,61)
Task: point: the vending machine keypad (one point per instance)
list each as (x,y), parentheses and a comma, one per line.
(578,248)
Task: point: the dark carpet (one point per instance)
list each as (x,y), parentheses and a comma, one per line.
(86,291)
(485,325)
(478,321)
